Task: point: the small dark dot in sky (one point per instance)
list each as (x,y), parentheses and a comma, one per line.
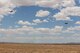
(66,23)
(11,11)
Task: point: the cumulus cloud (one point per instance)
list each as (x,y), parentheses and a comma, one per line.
(56,4)
(78,22)
(40,35)
(42,13)
(66,12)
(7,5)
(68,3)
(73,30)
(39,21)
(48,31)
(31,30)
(23,2)
(76,28)
(24,22)
(34,22)
(61,16)
(45,3)
(67,8)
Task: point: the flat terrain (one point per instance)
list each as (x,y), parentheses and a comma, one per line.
(39,48)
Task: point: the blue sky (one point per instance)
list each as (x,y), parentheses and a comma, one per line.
(43,21)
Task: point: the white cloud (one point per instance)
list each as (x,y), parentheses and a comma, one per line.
(45,3)
(78,22)
(70,10)
(24,22)
(45,20)
(37,21)
(55,3)
(76,28)
(7,5)
(30,30)
(40,35)
(34,22)
(72,30)
(23,2)
(68,3)
(42,13)
(37,31)
(61,16)
(66,12)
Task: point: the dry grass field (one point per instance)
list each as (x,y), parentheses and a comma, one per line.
(39,48)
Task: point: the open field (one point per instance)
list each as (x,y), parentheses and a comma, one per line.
(39,48)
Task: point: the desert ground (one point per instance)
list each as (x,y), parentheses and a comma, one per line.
(39,48)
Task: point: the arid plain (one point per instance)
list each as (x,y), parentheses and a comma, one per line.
(39,48)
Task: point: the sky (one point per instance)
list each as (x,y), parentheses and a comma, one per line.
(40,21)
